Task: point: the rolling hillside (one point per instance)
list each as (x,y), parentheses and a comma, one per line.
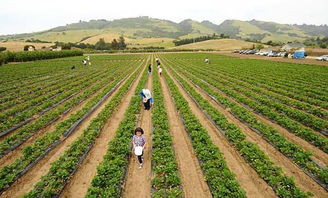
(146,31)
(219,44)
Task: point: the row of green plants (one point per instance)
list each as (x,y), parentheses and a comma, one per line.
(305,79)
(54,72)
(26,131)
(312,93)
(20,113)
(283,120)
(31,153)
(282,185)
(33,107)
(109,179)
(166,180)
(220,179)
(258,95)
(6,57)
(62,169)
(27,75)
(301,157)
(38,90)
(26,93)
(272,93)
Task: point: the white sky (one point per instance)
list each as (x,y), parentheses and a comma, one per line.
(21,16)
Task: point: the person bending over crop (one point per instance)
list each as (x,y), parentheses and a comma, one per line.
(139,142)
(149,69)
(160,71)
(146,98)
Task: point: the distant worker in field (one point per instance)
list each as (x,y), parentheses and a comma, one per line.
(73,67)
(158,63)
(84,62)
(88,59)
(149,69)
(139,142)
(147,99)
(207,61)
(160,71)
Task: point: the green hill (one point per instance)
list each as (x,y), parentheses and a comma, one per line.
(143,29)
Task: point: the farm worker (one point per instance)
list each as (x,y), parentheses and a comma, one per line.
(157,59)
(84,62)
(146,98)
(160,71)
(149,69)
(139,142)
(207,61)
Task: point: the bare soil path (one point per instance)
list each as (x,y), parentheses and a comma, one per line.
(138,181)
(301,179)
(82,178)
(192,178)
(27,181)
(246,176)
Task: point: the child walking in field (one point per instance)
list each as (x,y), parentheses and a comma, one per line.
(139,142)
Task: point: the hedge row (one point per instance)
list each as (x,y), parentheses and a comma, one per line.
(6,57)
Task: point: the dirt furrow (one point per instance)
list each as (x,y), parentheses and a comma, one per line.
(246,176)
(192,178)
(78,186)
(138,180)
(27,181)
(301,179)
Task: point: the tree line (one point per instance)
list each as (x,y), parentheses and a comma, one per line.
(115,44)
(198,39)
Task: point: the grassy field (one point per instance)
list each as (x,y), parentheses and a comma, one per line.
(19,45)
(220,44)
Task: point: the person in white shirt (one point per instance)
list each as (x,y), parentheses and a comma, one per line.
(160,71)
(146,98)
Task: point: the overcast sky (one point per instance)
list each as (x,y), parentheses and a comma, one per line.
(21,16)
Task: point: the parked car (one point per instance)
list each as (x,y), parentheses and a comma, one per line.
(322,58)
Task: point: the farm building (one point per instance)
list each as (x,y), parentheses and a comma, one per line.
(290,46)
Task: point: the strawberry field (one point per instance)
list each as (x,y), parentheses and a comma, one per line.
(232,128)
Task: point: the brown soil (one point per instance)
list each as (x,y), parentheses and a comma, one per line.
(27,181)
(246,176)
(192,178)
(81,180)
(301,179)
(15,154)
(278,59)
(137,182)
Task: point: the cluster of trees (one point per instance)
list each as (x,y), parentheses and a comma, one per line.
(199,39)
(32,40)
(116,44)
(317,42)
